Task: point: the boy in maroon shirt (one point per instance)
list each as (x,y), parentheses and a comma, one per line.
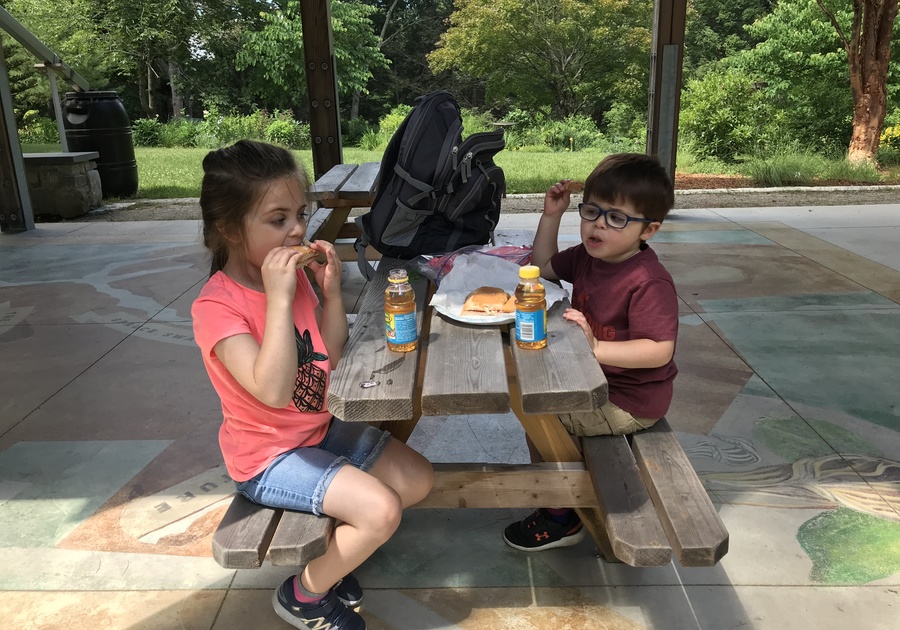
(624,301)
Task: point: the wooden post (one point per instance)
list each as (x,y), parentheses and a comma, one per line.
(321,85)
(665,81)
(15,202)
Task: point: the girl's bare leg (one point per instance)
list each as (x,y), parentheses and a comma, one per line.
(368,507)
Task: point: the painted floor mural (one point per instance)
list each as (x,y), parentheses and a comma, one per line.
(787,402)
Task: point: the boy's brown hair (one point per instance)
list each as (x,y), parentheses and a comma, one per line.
(633,178)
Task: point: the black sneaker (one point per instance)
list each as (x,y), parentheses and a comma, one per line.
(349,591)
(537,532)
(327,614)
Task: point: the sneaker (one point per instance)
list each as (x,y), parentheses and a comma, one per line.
(537,532)
(349,591)
(327,614)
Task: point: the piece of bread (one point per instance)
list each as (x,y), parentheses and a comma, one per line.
(487,301)
(574,186)
(307,254)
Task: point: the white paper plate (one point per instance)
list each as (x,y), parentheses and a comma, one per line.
(482,320)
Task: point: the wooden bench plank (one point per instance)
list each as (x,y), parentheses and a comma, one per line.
(316,223)
(564,376)
(327,186)
(510,486)
(49,159)
(696,532)
(361,184)
(241,540)
(465,372)
(300,538)
(367,360)
(636,535)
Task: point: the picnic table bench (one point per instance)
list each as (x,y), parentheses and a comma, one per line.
(336,193)
(638,496)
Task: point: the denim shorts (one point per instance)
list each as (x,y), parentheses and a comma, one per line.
(298,479)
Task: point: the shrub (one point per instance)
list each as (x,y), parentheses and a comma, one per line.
(723,116)
(371,141)
(354,130)
(572,134)
(784,168)
(888,156)
(283,132)
(146,132)
(473,122)
(179,132)
(37,129)
(847,171)
(391,121)
(890,138)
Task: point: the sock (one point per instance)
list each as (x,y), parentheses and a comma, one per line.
(303,595)
(559,516)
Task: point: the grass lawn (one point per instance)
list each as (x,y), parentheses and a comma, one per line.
(167,173)
(170,173)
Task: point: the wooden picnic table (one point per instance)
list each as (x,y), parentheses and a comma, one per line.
(340,190)
(638,496)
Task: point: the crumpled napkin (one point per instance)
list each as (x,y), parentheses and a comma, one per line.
(471,271)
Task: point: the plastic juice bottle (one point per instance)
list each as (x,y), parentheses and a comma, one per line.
(400,313)
(531,309)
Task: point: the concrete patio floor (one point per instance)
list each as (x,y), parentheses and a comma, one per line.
(787,401)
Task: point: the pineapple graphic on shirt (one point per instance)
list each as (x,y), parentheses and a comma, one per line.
(309,391)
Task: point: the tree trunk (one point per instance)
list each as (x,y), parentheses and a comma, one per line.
(868,53)
(152,83)
(175,86)
(354,105)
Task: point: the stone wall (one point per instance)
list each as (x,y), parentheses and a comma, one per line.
(62,185)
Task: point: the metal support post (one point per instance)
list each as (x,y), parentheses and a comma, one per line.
(57,105)
(15,202)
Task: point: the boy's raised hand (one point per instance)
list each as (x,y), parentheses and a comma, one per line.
(557,199)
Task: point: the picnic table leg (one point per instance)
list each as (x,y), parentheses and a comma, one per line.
(402,429)
(554,444)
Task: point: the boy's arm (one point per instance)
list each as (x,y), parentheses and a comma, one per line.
(634,353)
(545,239)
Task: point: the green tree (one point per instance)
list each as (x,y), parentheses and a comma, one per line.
(806,69)
(273,55)
(867,41)
(716,29)
(564,56)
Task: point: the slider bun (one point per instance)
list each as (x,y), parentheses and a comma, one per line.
(489,300)
(307,254)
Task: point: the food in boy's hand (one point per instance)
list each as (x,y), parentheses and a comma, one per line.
(574,186)
(489,301)
(307,254)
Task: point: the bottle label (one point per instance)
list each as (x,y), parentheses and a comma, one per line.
(531,326)
(400,328)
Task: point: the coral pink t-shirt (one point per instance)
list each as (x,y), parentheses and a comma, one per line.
(252,433)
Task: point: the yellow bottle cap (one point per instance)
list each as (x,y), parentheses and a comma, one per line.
(529,272)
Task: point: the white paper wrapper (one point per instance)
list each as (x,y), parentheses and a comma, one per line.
(471,271)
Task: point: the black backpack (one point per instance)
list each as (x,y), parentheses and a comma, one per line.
(434,192)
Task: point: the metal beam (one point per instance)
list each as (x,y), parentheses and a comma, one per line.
(666,58)
(15,202)
(33,45)
(321,85)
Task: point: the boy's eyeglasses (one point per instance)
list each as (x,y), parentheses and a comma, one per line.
(614,218)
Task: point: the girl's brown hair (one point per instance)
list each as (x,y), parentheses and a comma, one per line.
(234,180)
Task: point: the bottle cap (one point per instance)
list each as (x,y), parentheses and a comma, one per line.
(529,272)
(398,276)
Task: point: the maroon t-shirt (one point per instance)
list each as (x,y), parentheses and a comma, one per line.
(633,299)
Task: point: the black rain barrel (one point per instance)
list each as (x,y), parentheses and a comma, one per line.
(97,121)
